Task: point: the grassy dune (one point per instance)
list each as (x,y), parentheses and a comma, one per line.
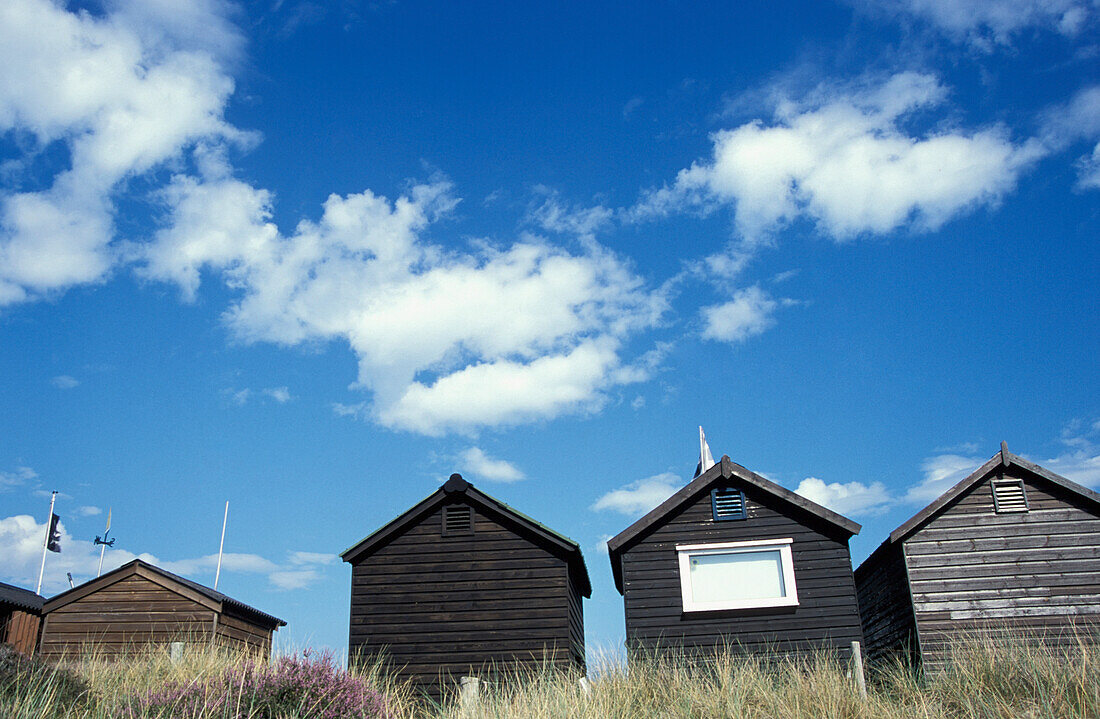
(983,679)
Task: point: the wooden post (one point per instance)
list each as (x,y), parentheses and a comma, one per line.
(468,691)
(857,669)
(586,686)
(175,652)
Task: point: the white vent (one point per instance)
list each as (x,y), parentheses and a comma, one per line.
(457,520)
(1009,496)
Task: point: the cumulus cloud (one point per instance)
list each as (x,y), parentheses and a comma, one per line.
(446,341)
(641,496)
(122,93)
(749,313)
(478,464)
(987,23)
(940,473)
(64,381)
(554,216)
(848,498)
(844,161)
(22,536)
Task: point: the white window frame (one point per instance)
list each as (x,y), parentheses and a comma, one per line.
(685,552)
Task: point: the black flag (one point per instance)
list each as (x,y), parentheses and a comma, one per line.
(54,542)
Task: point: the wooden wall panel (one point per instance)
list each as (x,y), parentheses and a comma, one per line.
(1033,574)
(122,619)
(885,606)
(443,607)
(826,617)
(20,629)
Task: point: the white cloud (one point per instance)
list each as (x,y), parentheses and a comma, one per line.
(64,381)
(553,216)
(17,478)
(637,403)
(123,93)
(446,341)
(22,537)
(941,473)
(641,496)
(279,394)
(479,464)
(845,162)
(89,511)
(850,498)
(600,547)
(238,397)
(1077,120)
(749,313)
(986,23)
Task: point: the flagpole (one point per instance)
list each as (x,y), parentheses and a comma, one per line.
(46,542)
(218,574)
(103,546)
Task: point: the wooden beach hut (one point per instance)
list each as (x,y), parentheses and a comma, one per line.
(138,605)
(1012,548)
(735,560)
(462,584)
(20,616)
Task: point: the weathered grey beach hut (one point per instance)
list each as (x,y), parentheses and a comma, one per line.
(1013,547)
(138,605)
(734,559)
(463,584)
(20,616)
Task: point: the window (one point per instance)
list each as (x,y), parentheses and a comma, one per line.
(457,520)
(737,575)
(1009,496)
(727,503)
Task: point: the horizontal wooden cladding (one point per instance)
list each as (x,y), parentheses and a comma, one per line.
(476,577)
(953,520)
(377,626)
(505,565)
(1012,557)
(1080,537)
(390,600)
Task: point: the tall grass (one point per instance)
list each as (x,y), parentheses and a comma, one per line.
(984,678)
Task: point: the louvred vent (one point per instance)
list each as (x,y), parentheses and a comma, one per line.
(1009,496)
(728,503)
(457,520)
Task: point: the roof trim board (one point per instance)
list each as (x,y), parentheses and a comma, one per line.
(1004,459)
(456,485)
(727,469)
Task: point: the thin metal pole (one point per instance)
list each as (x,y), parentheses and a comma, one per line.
(46,542)
(103,547)
(218,574)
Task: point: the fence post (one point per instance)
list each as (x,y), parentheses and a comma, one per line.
(857,669)
(468,691)
(175,652)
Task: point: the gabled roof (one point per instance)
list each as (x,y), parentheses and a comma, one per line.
(542,535)
(1002,460)
(22,598)
(725,469)
(206,596)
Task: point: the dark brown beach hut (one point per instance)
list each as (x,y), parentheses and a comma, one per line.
(462,584)
(1013,548)
(735,560)
(20,615)
(138,605)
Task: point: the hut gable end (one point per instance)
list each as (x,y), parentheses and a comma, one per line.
(460,584)
(1027,563)
(818,609)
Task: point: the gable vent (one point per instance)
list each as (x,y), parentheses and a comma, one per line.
(727,503)
(457,520)
(1009,496)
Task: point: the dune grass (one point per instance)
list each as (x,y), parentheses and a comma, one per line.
(983,678)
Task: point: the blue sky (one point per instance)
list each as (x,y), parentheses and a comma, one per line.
(311,258)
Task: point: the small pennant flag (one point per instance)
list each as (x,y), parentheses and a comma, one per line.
(706,460)
(54,542)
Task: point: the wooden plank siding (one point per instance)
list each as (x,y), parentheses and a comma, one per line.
(122,619)
(440,607)
(1033,574)
(885,605)
(826,616)
(19,629)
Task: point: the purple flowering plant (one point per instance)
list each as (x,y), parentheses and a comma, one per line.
(305,686)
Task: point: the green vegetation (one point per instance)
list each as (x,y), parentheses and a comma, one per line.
(983,679)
